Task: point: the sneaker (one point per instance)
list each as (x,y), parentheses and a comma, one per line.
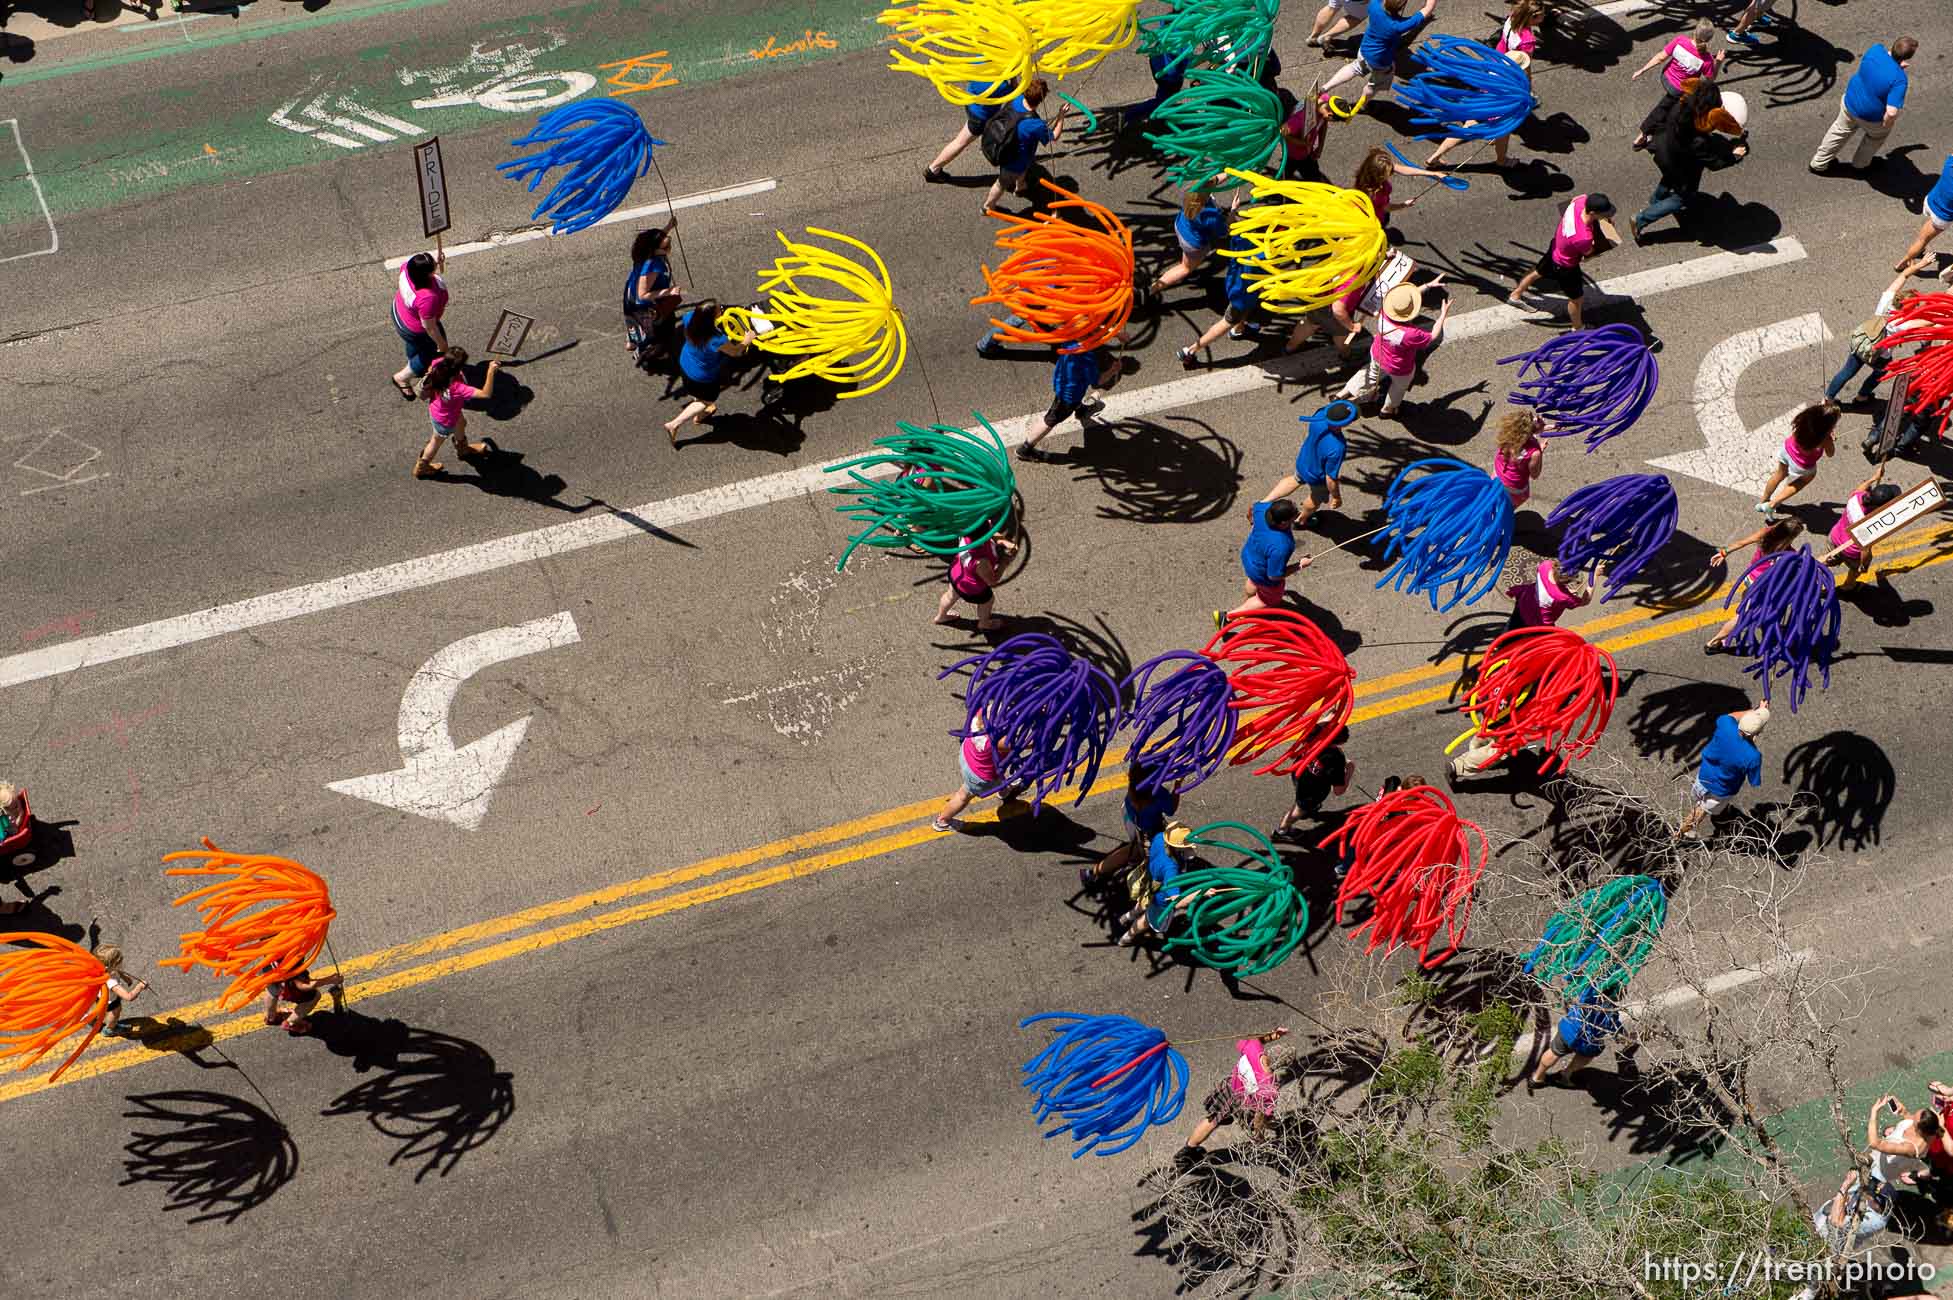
(1031,454)
(1742,38)
(1187,358)
(1089,408)
(935,175)
(990,351)
(940,826)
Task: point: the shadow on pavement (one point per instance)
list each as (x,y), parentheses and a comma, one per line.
(1152,474)
(214,1155)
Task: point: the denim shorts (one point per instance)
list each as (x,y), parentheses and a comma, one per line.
(420,346)
(975,784)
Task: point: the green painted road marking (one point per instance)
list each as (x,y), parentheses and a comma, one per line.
(588,45)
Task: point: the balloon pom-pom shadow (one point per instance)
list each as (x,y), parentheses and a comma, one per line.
(1106,1079)
(215,1156)
(438,1096)
(603,148)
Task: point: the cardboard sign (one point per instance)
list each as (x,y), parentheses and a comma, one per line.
(433,181)
(1911,504)
(1394,272)
(1895,416)
(509,333)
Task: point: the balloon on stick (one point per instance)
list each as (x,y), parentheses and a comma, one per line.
(1621,522)
(1787,619)
(1545,686)
(1309,249)
(1600,940)
(1419,862)
(1072,283)
(1445,522)
(853,336)
(1292,679)
(264,921)
(1928,319)
(50,987)
(1106,1079)
(954,43)
(1182,719)
(1244,919)
(1595,382)
(1050,716)
(1077,34)
(1220,120)
(604,148)
(1466,90)
(1225,33)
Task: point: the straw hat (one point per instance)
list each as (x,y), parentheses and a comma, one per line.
(1754,721)
(1404,303)
(1177,835)
(1521,58)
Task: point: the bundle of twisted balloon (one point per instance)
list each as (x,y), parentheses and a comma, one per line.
(264,919)
(1545,686)
(1419,862)
(1106,1078)
(1620,522)
(1243,919)
(1050,715)
(1466,89)
(1595,382)
(1292,679)
(1225,33)
(1070,282)
(1182,719)
(955,43)
(1310,249)
(1077,34)
(1220,120)
(1928,319)
(1445,522)
(851,337)
(949,488)
(49,988)
(1600,940)
(1787,620)
(605,147)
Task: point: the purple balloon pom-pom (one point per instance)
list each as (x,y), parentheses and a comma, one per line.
(1787,620)
(1050,716)
(1620,522)
(1594,382)
(1184,727)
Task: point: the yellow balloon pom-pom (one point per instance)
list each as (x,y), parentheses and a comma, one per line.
(1310,247)
(956,42)
(1074,35)
(855,336)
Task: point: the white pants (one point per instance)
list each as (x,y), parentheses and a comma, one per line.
(1365,384)
(1870,136)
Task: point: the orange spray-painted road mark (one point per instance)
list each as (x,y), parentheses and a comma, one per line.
(805,42)
(632,72)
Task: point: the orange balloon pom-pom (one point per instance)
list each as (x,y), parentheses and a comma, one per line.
(1293,680)
(1071,283)
(48,990)
(265,922)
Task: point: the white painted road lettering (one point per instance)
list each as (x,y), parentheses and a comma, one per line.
(1738,457)
(439,780)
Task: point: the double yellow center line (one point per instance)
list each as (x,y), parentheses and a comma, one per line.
(484,943)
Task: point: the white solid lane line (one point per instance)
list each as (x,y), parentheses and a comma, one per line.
(683,201)
(580,534)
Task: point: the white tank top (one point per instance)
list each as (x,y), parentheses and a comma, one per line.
(1890,1168)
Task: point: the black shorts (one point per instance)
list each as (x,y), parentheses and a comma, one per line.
(976,593)
(1567,279)
(1060,411)
(703,390)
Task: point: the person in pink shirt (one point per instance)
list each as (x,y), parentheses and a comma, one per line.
(1373,177)
(973,577)
(1543,598)
(1686,56)
(445,392)
(978,759)
(1248,1092)
(420,297)
(1519,456)
(1395,349)
(1517,34)
(1808,442)
(1873,494)
(1583,225)
(1304,132)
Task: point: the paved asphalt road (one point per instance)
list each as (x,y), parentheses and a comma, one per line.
(702,1008)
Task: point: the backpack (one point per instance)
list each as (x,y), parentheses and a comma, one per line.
(1000,134)
(1864,339)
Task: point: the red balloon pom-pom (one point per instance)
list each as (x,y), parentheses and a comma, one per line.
(1292,680)
(1544,686)
(1419,861)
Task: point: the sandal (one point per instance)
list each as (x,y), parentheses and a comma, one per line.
(405,390)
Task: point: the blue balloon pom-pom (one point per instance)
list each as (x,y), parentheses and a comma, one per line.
(605,147)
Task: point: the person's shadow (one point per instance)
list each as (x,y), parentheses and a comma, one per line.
(502,473)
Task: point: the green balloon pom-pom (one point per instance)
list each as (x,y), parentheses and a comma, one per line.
(1600,941)
(938,488)
(1223,33)
(1221,120)
(1244,920)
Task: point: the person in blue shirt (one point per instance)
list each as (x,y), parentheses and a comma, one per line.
(1200,228)
(1146,815)
(1579,1038)
(1167,855)
(1074,377)
(1031,132)
(1393,24)
(1265,558)
(1870,106)
(1938,212)
(1729,759)
(702,364)
(1169,79)
(649,295)
(975,118)
(1319,461)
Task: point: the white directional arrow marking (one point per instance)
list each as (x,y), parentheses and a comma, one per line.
(1737,456)
(440,781)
